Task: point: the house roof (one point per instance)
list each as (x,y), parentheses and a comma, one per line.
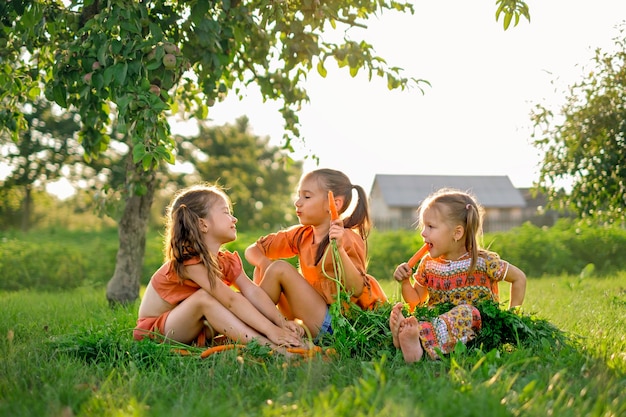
(411,190)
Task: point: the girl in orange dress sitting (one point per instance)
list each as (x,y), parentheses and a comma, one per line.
(190,299)
(305,292)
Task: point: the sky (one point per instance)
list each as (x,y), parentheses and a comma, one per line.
(474,119)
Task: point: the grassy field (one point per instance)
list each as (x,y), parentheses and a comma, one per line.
(68,354)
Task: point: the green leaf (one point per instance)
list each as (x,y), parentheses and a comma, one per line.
(34,92)
(139,151)
(507,20)
(146,162)
(321,69)
(120,72)
(132,26)
(102,52)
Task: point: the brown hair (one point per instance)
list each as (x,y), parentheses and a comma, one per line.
(458,208)
(183,239)
(340,185)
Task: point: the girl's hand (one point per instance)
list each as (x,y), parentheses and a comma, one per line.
(336,231)
(294,328)
(284,337)
(402,272)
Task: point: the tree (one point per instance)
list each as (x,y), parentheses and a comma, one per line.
(260,178)
(42,150)
(145,60)
(585,142)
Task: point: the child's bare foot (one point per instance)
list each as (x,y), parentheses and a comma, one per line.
(395,320)
(409,339)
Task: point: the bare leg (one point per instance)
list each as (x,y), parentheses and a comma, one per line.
(410,341)
(395,320)
(283,283)
(186,321)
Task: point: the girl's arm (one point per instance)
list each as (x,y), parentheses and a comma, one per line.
(241,307)
(517,278)
(265,305)
(259,299)
(257,258)
(413,294)
(352,275)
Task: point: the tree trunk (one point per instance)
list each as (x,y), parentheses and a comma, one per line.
(123,288)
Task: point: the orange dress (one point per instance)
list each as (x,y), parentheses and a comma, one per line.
(298,241)
(174,290)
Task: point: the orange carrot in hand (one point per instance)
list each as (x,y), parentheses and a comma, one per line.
(334,215)
(418,255)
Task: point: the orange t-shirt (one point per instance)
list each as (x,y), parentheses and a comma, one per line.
(298,241)
(168,285)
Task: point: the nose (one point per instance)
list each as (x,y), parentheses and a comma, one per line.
(235,220)
(297,202)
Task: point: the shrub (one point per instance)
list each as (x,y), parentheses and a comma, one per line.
(57,259)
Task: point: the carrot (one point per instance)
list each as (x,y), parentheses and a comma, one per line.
(418,255)
(183,352)
(331,205)
(305,351)
(219,348)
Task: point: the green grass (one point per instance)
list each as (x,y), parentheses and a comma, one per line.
(69,354)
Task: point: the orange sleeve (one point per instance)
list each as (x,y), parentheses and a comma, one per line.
(230,265)
(282,244)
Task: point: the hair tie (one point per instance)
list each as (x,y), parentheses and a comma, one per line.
(467,206)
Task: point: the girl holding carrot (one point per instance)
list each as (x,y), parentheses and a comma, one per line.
(189,298)
(307,292)
(456,270)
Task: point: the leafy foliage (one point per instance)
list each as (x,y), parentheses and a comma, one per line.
(127,66)
(260,178)
(585,142)
(365,334)
(565,248)
(509,327)
(42,150)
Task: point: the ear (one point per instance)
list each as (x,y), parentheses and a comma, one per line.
(458,233)
(203,226)
(339,204)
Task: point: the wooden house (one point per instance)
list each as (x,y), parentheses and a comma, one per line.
(394,199)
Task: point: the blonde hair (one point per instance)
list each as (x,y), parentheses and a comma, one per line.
(183,239)
(458,208)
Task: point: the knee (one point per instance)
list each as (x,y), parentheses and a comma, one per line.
(203,299)
(279,269)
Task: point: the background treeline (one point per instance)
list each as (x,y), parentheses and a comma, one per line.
(59,259)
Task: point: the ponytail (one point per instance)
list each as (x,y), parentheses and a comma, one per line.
(183,235)
(340,185)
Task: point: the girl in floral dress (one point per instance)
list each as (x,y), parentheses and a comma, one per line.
(456,270)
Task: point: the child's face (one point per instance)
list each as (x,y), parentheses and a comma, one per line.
(437,232)
(312,203)
(221,222)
